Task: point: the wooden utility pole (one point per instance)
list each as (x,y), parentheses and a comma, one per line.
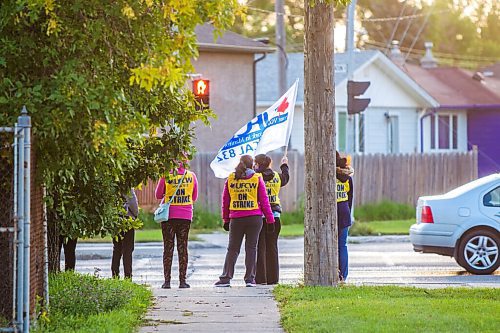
(320,223)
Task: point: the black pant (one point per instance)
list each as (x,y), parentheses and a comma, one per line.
(123,246)
(172,229)
(268,267)
(69,252)
(248,227)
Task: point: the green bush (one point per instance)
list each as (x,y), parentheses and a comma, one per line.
(384,211)
(296,216)
(84,303)
(202,219)
(148,221)
(361,229)
(205,219)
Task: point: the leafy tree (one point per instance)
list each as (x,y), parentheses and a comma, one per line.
(456,36)
(261,20)
(98,78)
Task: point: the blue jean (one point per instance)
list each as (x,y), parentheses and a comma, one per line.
(343,255)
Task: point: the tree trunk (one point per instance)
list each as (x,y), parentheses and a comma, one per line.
(54,252)
(320,223)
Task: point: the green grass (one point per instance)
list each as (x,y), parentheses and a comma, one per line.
(397,227)
(396,220)
(392,227)
(146,236)
(83,303)
(292,230)
(388,309)
(383,211)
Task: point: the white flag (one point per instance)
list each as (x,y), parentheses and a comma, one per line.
(268,131)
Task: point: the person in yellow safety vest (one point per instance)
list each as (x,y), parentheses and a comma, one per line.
(244,201)
(267,249)
(179,220)
(344,205)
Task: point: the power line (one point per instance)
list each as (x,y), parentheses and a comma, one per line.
(396,26)
(439,54)
(375,19)
(419,32)
(406,17)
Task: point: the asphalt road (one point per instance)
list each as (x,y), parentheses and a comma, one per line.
(372,261)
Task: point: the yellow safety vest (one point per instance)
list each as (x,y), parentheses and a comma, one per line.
(342,190)
(184,196)
(243,192)
(273,187)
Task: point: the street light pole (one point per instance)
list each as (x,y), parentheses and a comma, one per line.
(349,49)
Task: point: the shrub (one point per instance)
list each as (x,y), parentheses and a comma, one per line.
(361,229)
(84,303)
(148,220)
(202,219)
(383,211)
(75,294)
(205,219)
(296,216)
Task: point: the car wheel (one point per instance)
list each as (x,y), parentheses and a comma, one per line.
(478,251)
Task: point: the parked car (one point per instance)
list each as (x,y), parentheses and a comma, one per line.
(463,223)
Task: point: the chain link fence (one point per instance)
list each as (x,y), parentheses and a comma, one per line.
(7,231)
(23,260)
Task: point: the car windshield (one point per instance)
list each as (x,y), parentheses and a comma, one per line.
(472,185)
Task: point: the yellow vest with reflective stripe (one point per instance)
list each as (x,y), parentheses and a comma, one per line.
(184,195)
(273,187)
(243,192)
(342,190)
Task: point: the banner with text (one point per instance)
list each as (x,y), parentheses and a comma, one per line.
(268,131)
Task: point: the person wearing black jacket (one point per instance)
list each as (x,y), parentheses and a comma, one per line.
(344,205)
(267,249)
(123,244)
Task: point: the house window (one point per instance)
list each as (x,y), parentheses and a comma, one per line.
(444,132)
(393,134)
(341,131)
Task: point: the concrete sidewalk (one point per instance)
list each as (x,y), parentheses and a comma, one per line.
(210,309)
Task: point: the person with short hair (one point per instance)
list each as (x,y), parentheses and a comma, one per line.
(244,201)
(267,249)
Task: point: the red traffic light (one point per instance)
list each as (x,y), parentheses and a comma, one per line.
(201,91)
(201,87)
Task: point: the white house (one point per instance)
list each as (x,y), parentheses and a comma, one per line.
(390,124)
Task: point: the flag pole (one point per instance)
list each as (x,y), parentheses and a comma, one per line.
(290,131)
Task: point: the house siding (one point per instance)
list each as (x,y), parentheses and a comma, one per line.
(377,126)
(484,132)
(231,97)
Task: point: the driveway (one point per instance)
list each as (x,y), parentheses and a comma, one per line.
(386,260)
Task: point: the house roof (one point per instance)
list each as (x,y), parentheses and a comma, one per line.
(454,87)
(228,42)
(267,74)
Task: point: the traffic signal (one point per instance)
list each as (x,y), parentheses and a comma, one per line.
(354,89)
(201,90)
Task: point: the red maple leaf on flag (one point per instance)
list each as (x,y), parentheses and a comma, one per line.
(283,106)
